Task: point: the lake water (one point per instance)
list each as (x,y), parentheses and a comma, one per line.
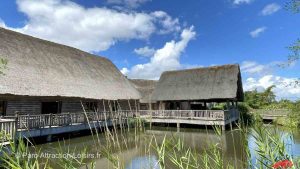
(134,151)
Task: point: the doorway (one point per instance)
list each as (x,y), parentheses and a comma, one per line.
(51,107)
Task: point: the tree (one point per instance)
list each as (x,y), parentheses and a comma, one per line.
(257,100)
(294,6)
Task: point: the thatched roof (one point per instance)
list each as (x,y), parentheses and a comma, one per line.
(41,68)
(145,87)
(211,83)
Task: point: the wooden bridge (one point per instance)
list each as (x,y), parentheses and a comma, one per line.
(197,117)
(271,114)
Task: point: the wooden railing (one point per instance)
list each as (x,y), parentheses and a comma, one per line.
(191,114)
(65,119)
(8,129)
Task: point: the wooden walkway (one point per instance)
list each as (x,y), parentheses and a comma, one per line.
(271,114)
(12,127)
(198,117)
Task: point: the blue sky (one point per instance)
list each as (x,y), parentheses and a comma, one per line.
(146,37)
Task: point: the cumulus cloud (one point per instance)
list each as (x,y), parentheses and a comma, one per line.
(165,58)
(145,51)
(128,3)
(282,90)
(255,33)
(270,9)
(90,29)
(239,2)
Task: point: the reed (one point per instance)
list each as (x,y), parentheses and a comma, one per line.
(171,152)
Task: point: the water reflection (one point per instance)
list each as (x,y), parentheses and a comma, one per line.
(145,162)
(134,154)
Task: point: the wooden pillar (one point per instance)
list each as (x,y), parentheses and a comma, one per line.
(178,126)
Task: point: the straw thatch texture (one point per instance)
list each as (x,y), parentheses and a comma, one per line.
(41,68)
(212,83)
(145,87)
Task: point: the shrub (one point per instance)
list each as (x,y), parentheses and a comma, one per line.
(246,117)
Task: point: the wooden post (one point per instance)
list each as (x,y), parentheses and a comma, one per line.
(15,134)
(28,123)
(50,120)
(69,119)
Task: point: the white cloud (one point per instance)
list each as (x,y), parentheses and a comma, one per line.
(239,2)
(255,33)
(128,3)
(282,90)
(252,67)
(125,71)
(270,9)
(145,51)
(168,23)
(166,58)
(90,29)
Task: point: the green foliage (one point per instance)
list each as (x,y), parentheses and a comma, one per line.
(295,52)
(257,100)
(19,157)
(282,104)
(246,117)
(269,146)
(294,6)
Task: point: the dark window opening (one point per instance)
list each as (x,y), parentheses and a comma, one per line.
(198,106)
(174,106)
(2,108)
(91,106)
(51,107)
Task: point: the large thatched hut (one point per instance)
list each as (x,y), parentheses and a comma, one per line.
(145,87)
(193,89)
(46,77)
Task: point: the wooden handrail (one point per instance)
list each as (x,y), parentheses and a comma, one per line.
(65,119)
(191,114)
(8,130)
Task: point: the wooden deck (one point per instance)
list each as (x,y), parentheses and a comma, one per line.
(49,124)
(13,127)
(271,114)
(198,117)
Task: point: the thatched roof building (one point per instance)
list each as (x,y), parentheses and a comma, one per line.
(41,68)
(217,83)
(145,87)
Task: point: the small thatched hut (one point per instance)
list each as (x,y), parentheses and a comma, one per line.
(192,89)
(46,77)
(145,87)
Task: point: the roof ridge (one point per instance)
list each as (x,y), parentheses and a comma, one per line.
(200,68)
